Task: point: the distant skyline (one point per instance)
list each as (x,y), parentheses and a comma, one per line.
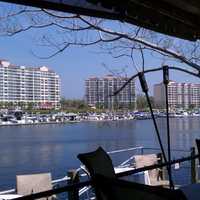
(76,63)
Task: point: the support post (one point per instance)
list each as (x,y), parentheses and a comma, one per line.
(164,169)
(193,167)
(142,151)
(166,82)
(74,178)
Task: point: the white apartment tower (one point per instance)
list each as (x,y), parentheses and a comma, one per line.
(21,85)
(99,92)
(180,95)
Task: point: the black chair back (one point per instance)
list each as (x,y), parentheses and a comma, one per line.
(98,162)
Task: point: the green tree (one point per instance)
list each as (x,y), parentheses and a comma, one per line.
(1,104)
(100,106)
(30,106)
(142,102)
(73,104)
(191,107)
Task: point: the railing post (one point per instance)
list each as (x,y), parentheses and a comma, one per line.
(142,151)
(164,169)
(74,178)
(193,167)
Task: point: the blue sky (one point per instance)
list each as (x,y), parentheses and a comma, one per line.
(73,65)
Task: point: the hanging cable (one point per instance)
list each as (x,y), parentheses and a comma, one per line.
(166,82)
(145,89)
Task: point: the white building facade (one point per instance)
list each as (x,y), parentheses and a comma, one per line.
(20,85)
(180,95)
(99,92)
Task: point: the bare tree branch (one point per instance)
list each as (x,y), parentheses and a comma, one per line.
(75,30)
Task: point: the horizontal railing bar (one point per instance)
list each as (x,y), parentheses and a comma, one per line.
(124,150)
(8,191)
(86,183)
(66,178)
(126,161)
(150,167)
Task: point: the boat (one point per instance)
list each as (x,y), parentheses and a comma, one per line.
(129,164)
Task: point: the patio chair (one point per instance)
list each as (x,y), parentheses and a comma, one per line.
(34,183)
(108,187)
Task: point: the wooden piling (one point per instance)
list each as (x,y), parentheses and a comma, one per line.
(74,178)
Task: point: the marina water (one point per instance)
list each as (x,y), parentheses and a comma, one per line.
(53,148)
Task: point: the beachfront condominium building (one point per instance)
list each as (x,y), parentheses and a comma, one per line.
(180,95)
(25,86)
(99,92)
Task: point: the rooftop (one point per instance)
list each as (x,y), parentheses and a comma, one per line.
(6,63)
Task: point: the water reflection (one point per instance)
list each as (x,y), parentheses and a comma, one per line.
(183,131)
(185,123)
(53,148)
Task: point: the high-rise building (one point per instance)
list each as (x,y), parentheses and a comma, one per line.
(99,92)
(20,85)
(180,95)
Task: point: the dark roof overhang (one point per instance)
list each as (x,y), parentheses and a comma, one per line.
(179,18)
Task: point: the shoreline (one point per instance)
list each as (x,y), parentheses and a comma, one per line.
(85,120)
(38,123)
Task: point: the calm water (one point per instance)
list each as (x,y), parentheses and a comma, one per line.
(53,148)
